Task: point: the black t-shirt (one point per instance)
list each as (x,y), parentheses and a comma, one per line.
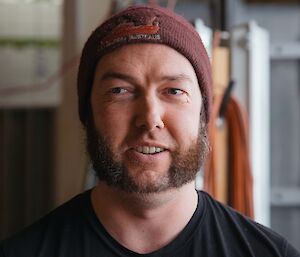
(73,230)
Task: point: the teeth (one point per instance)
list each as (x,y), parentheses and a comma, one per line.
(152,149)
(149,149)
(146,149)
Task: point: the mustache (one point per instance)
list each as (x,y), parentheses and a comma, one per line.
(161,137)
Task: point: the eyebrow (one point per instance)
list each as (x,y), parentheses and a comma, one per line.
(118,75)
(122,76)
(178,77)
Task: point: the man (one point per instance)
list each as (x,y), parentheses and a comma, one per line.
(144,92)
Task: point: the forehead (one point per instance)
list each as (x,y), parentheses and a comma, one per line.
(150,59)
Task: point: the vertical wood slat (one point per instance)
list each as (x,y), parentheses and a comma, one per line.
(11,172)
(80,18)
(26,167)
(70,160)
(39,163)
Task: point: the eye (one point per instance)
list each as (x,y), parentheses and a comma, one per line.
(118,90)
(175,91)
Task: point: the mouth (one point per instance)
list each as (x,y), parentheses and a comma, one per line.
(149,149)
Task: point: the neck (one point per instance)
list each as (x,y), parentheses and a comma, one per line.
(144,222)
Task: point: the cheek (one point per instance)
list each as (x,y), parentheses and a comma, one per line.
(111,123)
(184,125)
(194,119)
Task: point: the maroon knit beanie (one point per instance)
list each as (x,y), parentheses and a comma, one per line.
(143,24)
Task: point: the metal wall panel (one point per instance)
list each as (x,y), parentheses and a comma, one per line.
(282,22)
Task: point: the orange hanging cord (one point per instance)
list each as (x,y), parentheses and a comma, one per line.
(239,177)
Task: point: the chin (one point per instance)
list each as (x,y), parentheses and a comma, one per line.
(148,180)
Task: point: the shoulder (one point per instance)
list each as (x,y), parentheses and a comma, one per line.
(238,231)
(48,229)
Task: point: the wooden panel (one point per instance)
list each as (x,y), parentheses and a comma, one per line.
(26,171)
(70,156)
(80,18)
(220,69)
(220,74)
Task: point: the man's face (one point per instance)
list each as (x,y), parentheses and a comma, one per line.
(144,130)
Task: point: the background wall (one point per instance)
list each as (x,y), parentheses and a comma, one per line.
(42,157)
(283,23)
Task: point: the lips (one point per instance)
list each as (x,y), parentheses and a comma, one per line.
(147,153)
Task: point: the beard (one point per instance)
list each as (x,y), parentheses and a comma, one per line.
(182,170)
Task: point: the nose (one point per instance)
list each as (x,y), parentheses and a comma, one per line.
(149,113)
